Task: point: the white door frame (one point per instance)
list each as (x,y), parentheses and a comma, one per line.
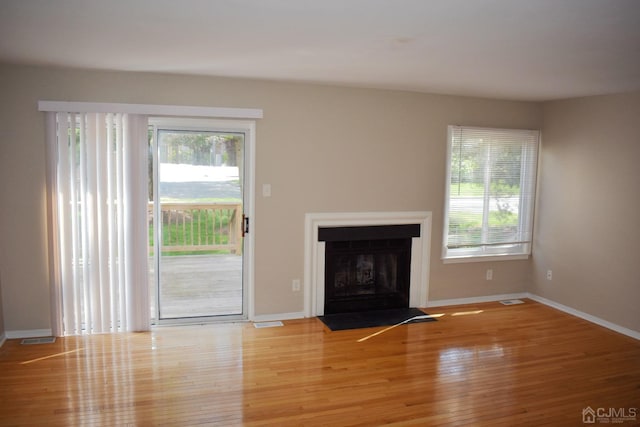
(248,128)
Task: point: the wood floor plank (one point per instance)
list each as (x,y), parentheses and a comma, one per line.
(482,364)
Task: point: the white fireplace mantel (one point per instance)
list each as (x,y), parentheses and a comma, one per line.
(314,252)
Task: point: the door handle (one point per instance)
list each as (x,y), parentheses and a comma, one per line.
(245,225)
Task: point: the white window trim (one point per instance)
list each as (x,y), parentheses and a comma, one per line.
(483,258)
(472,254)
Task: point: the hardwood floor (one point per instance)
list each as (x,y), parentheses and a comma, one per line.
(484,364)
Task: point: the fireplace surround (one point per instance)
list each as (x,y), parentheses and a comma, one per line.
(319,225)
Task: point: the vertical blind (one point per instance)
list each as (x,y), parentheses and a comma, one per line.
(98,198)
(491,191)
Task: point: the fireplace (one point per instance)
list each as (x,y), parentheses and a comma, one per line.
(361,222)
(367,268)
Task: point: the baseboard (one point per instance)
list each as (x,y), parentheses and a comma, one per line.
(588,317)
(491,298)
(278,316)
(33,333)
(475,300)
(29,333)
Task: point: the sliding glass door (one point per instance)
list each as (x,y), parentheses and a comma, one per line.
(198,225)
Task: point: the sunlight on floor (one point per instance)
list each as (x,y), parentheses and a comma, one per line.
(50,356)
(466,313)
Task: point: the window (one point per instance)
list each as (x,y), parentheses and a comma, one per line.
(491,180)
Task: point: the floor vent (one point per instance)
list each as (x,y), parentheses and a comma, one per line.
(42,340)
(511,302)
(259,325)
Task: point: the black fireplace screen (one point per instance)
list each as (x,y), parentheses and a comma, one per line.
(367,268)
(365,274)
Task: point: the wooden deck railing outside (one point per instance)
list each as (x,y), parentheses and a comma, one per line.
(199,227)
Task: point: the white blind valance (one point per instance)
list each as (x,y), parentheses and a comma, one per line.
(151,109)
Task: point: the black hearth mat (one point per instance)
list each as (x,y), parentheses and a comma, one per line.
(374,318)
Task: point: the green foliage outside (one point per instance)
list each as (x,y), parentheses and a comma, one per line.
(467,226)
(200,228)
(230,200)
(197,148)
(465,221)
(474,189)
(195,227)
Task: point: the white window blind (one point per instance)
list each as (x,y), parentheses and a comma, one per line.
(491,181)
(98,223)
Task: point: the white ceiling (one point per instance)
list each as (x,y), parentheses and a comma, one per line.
(509,49)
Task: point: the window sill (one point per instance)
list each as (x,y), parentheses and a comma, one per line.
(483,258)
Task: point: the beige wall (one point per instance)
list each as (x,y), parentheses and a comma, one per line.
(587,230)
(2,331)
(322,148)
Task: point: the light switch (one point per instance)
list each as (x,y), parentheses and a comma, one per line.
(266,190)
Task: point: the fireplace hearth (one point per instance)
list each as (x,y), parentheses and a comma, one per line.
(367,268)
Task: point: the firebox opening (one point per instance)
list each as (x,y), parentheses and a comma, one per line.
(367,268)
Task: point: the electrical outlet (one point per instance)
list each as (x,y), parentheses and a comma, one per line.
(489,274)
(549,275)
(295,285)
